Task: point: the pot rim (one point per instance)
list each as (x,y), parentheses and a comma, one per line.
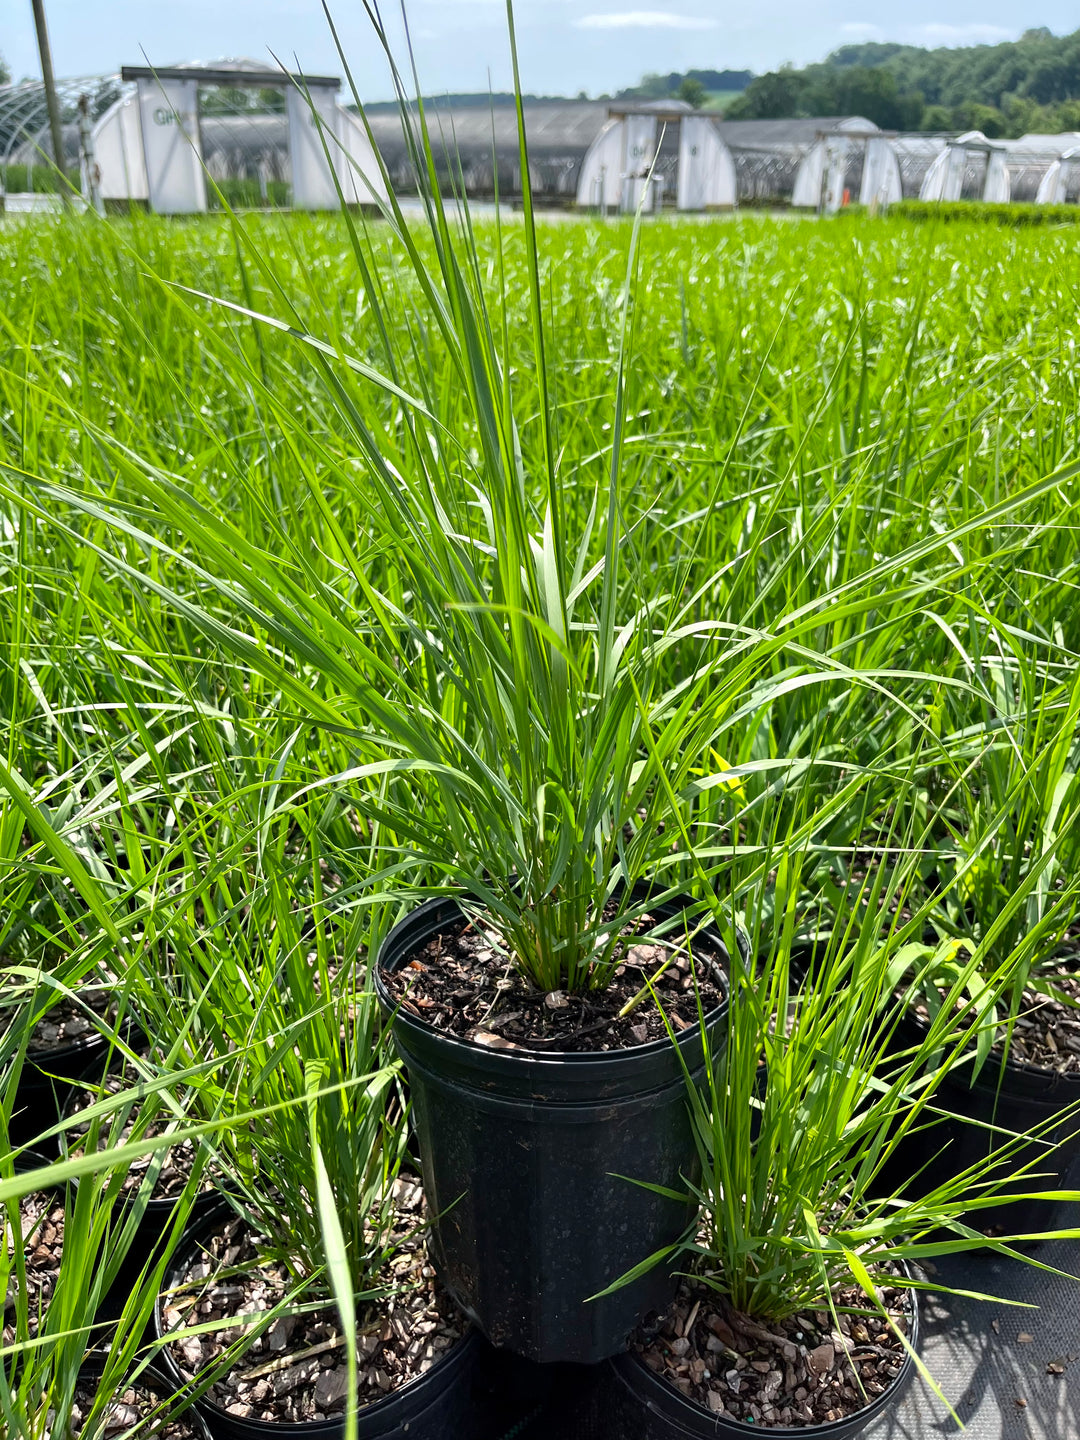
(526,1057)
(93,1365)
(156,1204)
(282,1429)
(678,1405)
(1004,1065)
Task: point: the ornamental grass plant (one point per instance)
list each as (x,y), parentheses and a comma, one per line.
(525,561)
(47,1340)
(531,712)
(813,1100)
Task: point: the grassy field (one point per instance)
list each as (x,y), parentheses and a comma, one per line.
(846,507)
(830,436)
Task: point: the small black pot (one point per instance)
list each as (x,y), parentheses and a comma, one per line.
(1012,1096)
(157,1215)
(528,1164)
(639,1405)
(48,1077)
(435,1406)
(156,1380)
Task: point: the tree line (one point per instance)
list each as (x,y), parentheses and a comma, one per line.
(1030,84)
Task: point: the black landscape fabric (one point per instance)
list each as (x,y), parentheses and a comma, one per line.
(1009,1373)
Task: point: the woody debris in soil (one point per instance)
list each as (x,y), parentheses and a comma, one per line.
(297,1369)
(42,1218)
(178,1160)
(796,1372)
(1046,1032)
(130,1405)
(464,984)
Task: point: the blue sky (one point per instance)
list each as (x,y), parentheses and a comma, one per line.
(566,45)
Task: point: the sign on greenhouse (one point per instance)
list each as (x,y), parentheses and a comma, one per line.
(169,119)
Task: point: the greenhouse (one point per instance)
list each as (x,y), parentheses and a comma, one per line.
(478,145)
(968,167)
(1041,168)
(165,136)
(182,138)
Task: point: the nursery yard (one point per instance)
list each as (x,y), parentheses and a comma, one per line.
(847,495)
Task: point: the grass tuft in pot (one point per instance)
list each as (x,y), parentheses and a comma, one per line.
(308,1124)
(58,1307)
(792,1310)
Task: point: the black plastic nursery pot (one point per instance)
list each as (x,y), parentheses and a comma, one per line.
(643,1406)
(48,1077)
(1012,1097)
(528,1162)
(435,1406)
(157,1382)
(157,1215)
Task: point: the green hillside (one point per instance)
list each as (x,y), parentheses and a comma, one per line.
(1004,90)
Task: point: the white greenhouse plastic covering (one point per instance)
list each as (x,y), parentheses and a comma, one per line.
(152,148)
(970,167)
(623,167)
(706,174)
(855,158)
(1061,182)
(157,139)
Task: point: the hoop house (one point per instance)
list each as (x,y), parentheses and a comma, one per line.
(915,154)
(26,152)
(970,167)
(1037,163)
(848,161)
(1061,183)
(476,146)
(769,154)
(647,152)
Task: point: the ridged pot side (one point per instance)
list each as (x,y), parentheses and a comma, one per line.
(1014,1098)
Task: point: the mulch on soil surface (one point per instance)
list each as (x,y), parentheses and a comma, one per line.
(179,1159)
(42,1217)
(796,1372)
(67,1023)
(464,984)
(296,1370)
(1047,1030)
(127,1408)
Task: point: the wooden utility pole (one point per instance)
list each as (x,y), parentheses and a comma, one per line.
(51,100)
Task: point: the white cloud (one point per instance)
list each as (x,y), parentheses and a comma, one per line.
(644,20)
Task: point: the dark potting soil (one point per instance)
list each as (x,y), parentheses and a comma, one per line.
(465,984)
(42,1218)
(179,1159)
(130,1405)
(67,1023)
(1047,1030)
(796,1372)
(297,1370)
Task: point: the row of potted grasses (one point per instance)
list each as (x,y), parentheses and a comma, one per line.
(428,650)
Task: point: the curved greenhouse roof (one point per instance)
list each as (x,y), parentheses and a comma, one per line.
(559,134)
(1031,156)
(768,153)
(786,134)
(24,116)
